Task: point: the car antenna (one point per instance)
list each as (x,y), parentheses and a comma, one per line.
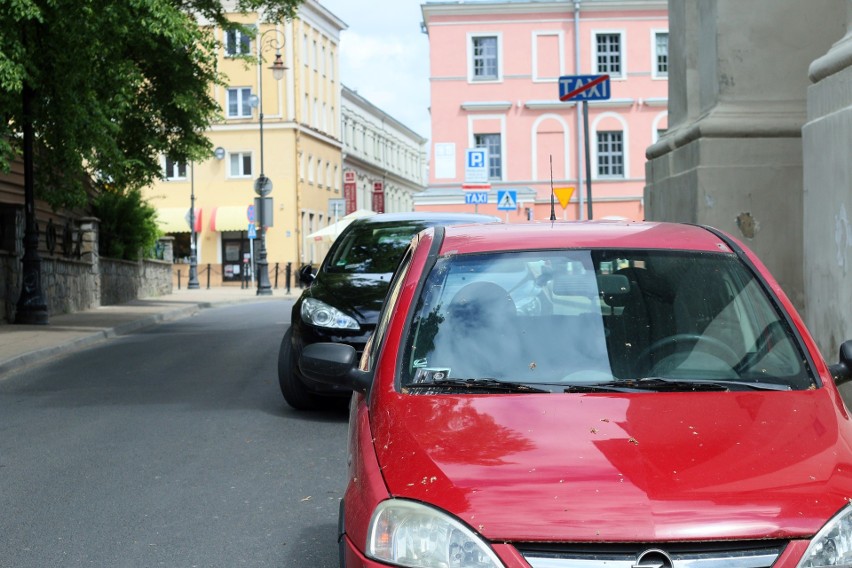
(552,203)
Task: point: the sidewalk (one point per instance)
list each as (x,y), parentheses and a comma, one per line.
(22,345)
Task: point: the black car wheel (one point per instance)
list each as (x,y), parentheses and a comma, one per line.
(292,387)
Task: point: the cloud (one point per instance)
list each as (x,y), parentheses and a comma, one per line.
(391,73)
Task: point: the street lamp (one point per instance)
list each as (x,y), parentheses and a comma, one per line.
(193,237)
(31,307)
(263,185)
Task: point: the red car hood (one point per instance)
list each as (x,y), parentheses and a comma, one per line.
(637,467)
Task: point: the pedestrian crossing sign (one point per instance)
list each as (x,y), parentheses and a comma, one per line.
(507,199)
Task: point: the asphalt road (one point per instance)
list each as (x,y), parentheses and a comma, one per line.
(169,447)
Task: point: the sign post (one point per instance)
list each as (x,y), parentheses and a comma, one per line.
(476,184)
(585,88)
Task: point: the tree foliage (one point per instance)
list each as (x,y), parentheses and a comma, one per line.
(114,83)
(128,224)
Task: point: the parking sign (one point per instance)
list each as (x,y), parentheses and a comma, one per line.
(476,165)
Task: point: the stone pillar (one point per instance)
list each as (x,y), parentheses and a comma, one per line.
(826,140)
(732,157)
(89,228)
(167,244)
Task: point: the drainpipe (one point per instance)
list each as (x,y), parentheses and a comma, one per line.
(579,144)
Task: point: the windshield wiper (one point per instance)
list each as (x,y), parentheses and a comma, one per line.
(483,384)
(669,384)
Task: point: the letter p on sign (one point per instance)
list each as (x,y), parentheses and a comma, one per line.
(476,165)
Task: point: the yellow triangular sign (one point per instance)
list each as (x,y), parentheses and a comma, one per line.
(563,194)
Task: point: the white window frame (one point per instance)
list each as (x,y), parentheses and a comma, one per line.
(241,156)
(471,77)
(240,39)
(504,142)
(655,56)
(176,167)
(625,139)
(560,37)
(243,97)
(622,41)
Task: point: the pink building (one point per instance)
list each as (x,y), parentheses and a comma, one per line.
(495,69)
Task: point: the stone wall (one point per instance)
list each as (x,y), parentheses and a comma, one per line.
(84,280)
(123,281)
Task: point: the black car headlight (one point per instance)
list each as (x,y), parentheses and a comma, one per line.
(411,534)
(832,545)
(321,314)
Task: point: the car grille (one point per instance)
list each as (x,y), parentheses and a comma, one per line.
(751,554)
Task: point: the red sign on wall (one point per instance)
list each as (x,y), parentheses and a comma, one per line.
(350,190)
(378,197)
(349,196)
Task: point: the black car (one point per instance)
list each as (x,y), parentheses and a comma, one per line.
(344,297)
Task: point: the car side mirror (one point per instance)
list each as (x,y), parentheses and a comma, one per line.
(306,273)
(334,364)
(842,370)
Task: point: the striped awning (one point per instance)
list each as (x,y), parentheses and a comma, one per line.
(229,218)
(176,219)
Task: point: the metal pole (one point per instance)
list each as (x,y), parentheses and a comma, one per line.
(31,307)
(577,70)
(263,286)
(588,157)
(192,284)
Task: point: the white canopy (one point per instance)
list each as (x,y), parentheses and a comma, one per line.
(328,234)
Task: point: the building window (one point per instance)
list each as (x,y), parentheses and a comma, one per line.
(484,62)
(610,153)
(495,156)
(237,43)
(310,170)
(174,170)
(608,53)
(240,165)
(661,49)
(305,49)
(331,65)
(239,104)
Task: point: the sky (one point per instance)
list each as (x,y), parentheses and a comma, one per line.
(385,57)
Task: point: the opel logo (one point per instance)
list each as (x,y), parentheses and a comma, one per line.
(653,558)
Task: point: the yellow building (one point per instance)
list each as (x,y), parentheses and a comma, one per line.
(295,143)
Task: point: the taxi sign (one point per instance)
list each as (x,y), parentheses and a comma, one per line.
(584,88)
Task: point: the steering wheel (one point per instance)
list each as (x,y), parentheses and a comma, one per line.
(709,345)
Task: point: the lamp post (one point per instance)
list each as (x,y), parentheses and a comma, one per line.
(263,185)
(193,237)
(31,307)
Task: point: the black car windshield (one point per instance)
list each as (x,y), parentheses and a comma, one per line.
(601,317)
(371,248)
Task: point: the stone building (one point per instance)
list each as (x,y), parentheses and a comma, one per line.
(760,125)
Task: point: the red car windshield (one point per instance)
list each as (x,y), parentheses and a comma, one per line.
(600,317)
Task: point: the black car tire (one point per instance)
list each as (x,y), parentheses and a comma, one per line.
(292,387)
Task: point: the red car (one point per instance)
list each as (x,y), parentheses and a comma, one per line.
(591,394)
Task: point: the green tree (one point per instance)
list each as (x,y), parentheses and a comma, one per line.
(128,227)
(114,84)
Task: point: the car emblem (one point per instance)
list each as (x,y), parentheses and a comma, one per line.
(653,558)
